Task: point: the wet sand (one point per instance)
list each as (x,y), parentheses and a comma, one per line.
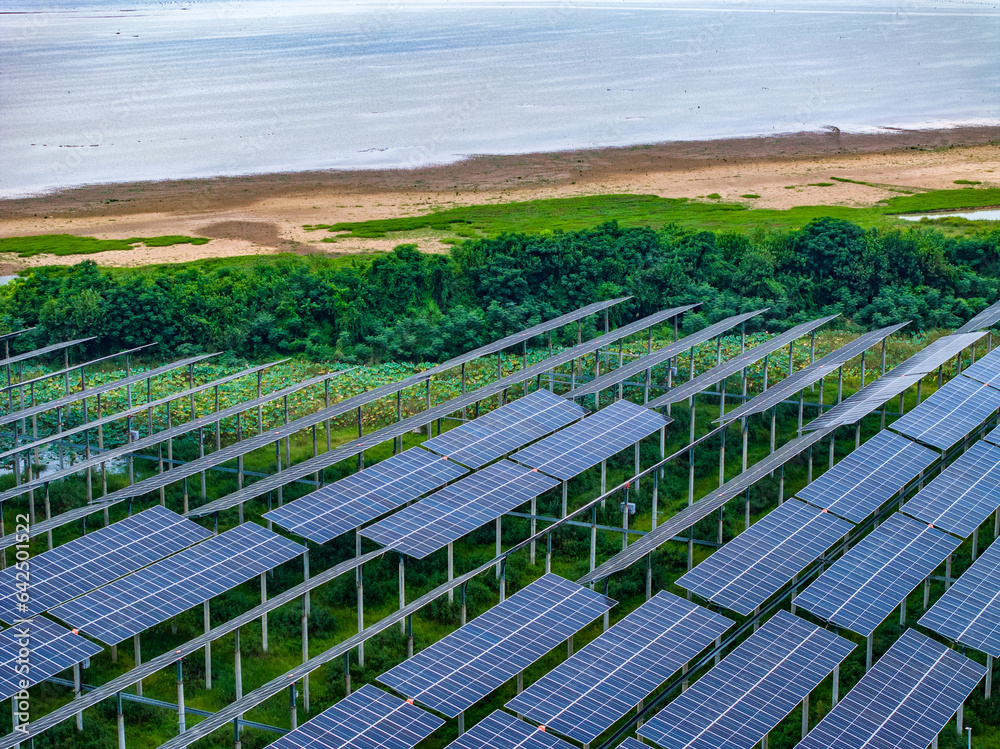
(263,214)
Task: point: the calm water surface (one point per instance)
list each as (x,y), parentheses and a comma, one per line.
(96,91)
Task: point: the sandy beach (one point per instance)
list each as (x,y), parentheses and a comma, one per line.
(263,214)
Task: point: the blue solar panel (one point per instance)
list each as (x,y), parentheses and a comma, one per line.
(138,601)
(98,558)
(606,433)
(964,495)
(903,702)
(866,478)
(456,510)
(969,611)
(499,432)
(753,566)
(585,695)
(351,502)
(950,414)
(51,649)
(739,701)
(863,587)
(502,731)
(986,370)
(453,673)
(368,719)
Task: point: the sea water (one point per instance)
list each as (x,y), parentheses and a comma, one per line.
(96,91)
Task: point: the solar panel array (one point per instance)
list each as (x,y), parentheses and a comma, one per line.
(456,510)
(864,401)
(863,587)
(326,513)
(950,414)
(586,443)
(367,719)
(868,477)
(902,702)
(963,495)
(477,442)
(737,363)
(51,649)
(98,558)
(502,731)
(985,319)
(758,562)
(969,611)
(152,595)
(585,695)
(455,672)
(986,370)
(739,701)
(806,376)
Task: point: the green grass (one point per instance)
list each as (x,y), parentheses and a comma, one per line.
(67,244)
(750,196)
(576,213)
(967,182)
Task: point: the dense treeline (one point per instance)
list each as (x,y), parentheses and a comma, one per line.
(409,305)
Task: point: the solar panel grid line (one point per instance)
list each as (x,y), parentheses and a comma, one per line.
(811,373)
(85,563)
(574,449)
(950,414)
(52,348)
(135,410)
(585,695)
(152,595)
(660,355)
(963,495)
(498,730)
(52,649)
(969,611)
(347,504)
(903,702)
(736,364)
(21,384)
(351,449)
(869,476)
(96,390)
(986,370)
(755,565)
(858,405)
(703,507)
(366,719)
(509,427)
(742,699)
(458,509)
(937,353)
(862,588)
(454,673)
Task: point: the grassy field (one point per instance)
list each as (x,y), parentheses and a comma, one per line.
(333,613)
(649,210)
(67,244)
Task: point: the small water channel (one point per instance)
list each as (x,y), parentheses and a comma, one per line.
(992,214)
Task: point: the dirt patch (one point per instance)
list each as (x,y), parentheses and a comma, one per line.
(263,233)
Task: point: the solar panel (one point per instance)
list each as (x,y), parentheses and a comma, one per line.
(739,701)
(456,510)
(866,400)
(98,558)
(367,719)
(903,702)
(950,414)
(453,673)
(986,370)
(585,695)
(351,502)
(753,566)
(598,437)
(477,442)
(969,611)
(964,495)
(152,595)
(631,743)
(984,319)
(806,376)
(935,354)
(863,587)
(866,478)
(51,649)
(502,731)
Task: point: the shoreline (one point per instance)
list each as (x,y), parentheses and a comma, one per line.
(265,213)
